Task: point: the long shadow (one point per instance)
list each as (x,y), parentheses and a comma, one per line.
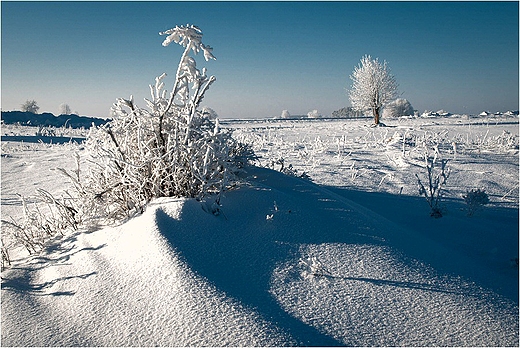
(20,277)
(239,250)
(467,241)
(57,252)
(405,285)
(21,285)
(63,256)
(241,270)
(42,139)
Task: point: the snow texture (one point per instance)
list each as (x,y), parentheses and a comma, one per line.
(287,262)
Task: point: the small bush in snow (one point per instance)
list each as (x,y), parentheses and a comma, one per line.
(397,108)
(475,199)
(171,149)
(6,257)
(437,178)
(312,267)
(313,114)
(288,170)
(44,218)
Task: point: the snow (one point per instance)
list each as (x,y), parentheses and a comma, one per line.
(352,258)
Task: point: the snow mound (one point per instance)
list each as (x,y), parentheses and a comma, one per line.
(286,262)
(125,286)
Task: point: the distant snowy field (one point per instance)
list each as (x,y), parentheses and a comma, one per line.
(482,152)
(349,258)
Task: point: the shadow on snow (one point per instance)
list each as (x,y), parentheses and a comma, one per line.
(264,225)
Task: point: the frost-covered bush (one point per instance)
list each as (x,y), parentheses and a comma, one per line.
(397,108)
(313,114)
(475,200)
(170,149)
(484,142)
(43,218)
(287,170)
(285,114)
(312,267)
(46,131)
(437,178)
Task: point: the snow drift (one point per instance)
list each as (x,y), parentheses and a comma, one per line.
(285,263)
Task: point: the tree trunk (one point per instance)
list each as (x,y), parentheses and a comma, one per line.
(375,111)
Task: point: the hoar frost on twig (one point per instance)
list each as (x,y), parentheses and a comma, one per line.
(312,267)
(436,182)
(171,149)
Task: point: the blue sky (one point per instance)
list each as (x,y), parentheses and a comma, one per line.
(458,56)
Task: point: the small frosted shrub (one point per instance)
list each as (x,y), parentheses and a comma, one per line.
(475,200)
(6,257)
(312,267)
(437,178)
(288,170)
(43,219)
(170,149)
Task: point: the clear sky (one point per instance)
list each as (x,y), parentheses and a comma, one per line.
(458,56)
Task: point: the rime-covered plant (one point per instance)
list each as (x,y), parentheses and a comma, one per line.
(437,178)
(398,107)
(170,149)
(287,170)
(373,86)
(312,267)
(475,199)
(44,218)
(313,114)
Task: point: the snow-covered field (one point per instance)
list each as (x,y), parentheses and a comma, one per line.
(349,258)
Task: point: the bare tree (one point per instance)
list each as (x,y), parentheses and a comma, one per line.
(30,106)
(372,86)
(65,109)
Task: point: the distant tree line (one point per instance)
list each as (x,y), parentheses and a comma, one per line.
(347,112)
(48,119)
(29,116)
